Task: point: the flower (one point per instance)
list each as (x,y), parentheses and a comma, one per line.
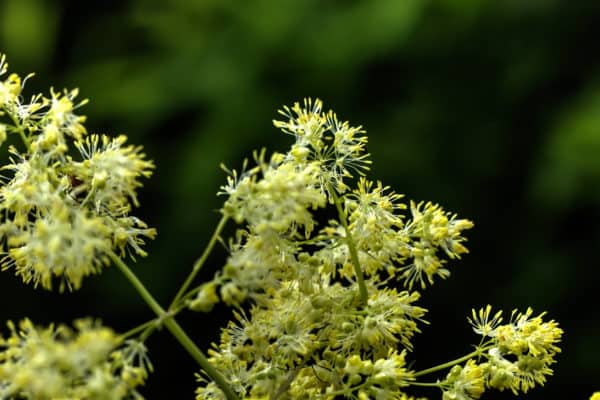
(376,226)
(527,335)
(10,89)
(110,172)
(338,148)
(382,379)
(280,201)
(390,318)
(531,343)
(464,383)
(67,243)
(206,298)
(481,322)
(34,188)
(430,229)
(61,218)
(59,362)
(60,113)
(128,232)
(309,333)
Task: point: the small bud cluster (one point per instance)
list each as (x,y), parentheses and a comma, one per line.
(63,215)
(90,362)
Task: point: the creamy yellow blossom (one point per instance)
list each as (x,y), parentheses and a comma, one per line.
(63,217)
(55,362)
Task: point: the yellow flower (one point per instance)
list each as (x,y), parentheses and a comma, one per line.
(533,343)
(430,230)
(206,298)
(61,113)
(61,218)
(10,89)
(59,362)
(67,243)
(110,171)
(339,149)
(464,383)
(481,322)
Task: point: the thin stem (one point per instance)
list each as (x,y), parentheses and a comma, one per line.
(426,384)
(148,327)
(200,262)
(360,280)
(19,128)
(175,329)
(138,328)
(448,364)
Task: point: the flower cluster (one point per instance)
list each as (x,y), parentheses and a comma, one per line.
(90,362)
(319,312)
(519,354)
(322,320)
(63,216)
(464,383)
(320,272)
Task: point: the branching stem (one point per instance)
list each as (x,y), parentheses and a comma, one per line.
(20,130)
(200,262)
(452,363)
(175,329)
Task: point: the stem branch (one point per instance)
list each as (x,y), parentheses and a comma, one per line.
(19,128)
(175,329)
(200,262)
(448,364)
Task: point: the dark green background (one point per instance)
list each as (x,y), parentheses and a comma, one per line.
(491,109)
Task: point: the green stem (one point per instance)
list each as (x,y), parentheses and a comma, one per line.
(149,326)
(425,384)
(19,128)
(175,329)
(139,328)
(200,262)
(360,280)
(452,363)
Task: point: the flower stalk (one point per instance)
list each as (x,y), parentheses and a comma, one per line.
(175,329)
(200,262)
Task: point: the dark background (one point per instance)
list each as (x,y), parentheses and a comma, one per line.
(491,109)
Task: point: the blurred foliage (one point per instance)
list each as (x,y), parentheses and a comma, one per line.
(489,108)
(568,169)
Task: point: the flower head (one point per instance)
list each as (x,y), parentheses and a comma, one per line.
(60,113)
(280,201)
(110,172)
(66,243)
(523,352)
(338,148)
(59,362)
(62,217)
(10,88)
(481,322)
(432,229)
(464,383)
